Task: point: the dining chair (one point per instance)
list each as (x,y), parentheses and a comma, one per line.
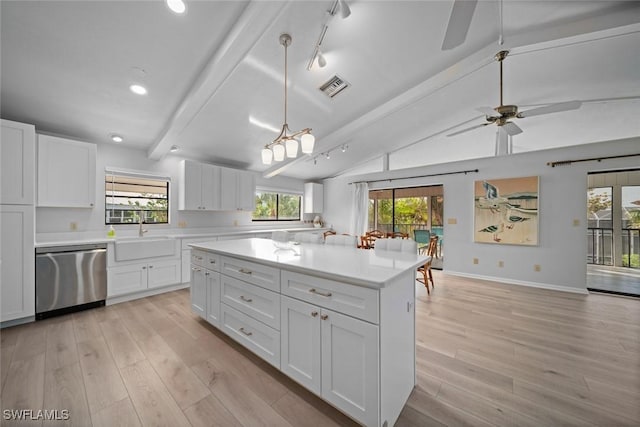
(376,234)
(308,238)
(341,240)
(366,242)
(425,270)
(328,233)
(396,245)
(398,235)
(422,237)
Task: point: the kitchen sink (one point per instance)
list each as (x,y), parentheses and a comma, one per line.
(129,248)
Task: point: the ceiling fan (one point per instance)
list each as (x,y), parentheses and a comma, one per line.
(503,115)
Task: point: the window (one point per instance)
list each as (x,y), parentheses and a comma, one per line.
(127,197)
(272,206)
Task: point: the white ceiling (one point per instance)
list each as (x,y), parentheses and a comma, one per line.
(67,65)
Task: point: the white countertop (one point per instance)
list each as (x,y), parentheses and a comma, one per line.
(65,239)
(356,266)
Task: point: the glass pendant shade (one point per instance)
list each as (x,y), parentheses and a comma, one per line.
(292,148)
(307,142)
(278,152)
(267,156)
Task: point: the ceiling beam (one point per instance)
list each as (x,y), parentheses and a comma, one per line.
(256,19)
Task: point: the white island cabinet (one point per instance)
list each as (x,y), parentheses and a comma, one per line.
(339,321)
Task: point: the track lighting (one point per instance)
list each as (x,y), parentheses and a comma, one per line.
(338,6)
(173,148)
(344,148)
(344,9)
(328,155)
(322,61)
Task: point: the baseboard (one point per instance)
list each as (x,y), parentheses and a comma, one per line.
(16,322)
(519,282)
(147,293)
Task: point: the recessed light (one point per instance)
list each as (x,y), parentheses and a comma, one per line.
(138,89)
(176,6)
(117,138)
(174,148)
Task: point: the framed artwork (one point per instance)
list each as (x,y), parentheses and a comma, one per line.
(506,211)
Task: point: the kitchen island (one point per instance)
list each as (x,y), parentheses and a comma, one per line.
(340,321)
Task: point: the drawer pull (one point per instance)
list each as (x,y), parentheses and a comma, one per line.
(314,314)
(242,270)
(207,273)
(195,269)
(243,298)
(199,258)
(212,261)
(324,316)
(245,332)
(313,291)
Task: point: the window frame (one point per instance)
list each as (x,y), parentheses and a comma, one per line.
(279,193)
(120,174)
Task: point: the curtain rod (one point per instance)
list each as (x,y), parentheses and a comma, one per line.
(417,176)
(568,162)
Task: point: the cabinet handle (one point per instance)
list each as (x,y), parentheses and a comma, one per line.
(151,266)
(207,273)
(199,258)
(324,316)
(243,298)
(245,332)
(242,270)
(144,268)
(212,261)
(313,291)
(195,269)
(314,314)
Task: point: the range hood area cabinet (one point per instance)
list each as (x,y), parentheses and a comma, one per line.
(66,173)
(205,187)
(313,198)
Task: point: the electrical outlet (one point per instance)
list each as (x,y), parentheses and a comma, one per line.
(475,260)
(182,224)
(536,267)
(500,264)
(73,226)
(235,222)
(452,220)
(576,223)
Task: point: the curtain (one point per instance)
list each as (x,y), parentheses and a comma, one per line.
(360,208)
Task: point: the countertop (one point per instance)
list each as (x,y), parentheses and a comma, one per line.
(66,240)
(355,266)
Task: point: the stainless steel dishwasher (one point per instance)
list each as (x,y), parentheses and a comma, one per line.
(70,278)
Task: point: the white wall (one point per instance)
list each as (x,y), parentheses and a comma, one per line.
(91,221)
(561,252)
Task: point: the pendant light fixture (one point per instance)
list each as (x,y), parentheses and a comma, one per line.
(287,142)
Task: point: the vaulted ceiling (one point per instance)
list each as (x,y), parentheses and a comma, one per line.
(215,77)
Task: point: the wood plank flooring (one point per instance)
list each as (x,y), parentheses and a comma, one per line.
(488,354)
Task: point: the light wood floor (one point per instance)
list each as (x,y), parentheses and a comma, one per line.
(488,354)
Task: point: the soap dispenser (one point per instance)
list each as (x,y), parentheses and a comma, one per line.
(112,232)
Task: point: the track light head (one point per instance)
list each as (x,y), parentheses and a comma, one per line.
(322,61)
(345,11)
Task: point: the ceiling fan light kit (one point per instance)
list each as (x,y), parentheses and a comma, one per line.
(287,141)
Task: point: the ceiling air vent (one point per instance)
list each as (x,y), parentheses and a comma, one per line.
(334,86)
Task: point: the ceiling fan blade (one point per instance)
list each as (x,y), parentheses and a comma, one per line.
(511,128)
(552,108)
(488,111)
(459,23)
(468,129)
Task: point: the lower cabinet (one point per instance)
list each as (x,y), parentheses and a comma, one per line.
(126,279)
(205,294)
(333,355)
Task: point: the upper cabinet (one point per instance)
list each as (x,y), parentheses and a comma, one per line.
(66,173)
(238,190)
(17,158)
(199,186)
(209,187)
(313,198)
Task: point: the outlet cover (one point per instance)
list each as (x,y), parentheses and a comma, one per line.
(576,223)
(452,220)
(500,264)
(73,226)
(475,260)
(536,267)
(182,224)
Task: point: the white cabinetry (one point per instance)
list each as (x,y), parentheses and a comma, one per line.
(17,161)
(66,173)
(313,198)
(237,190)
(17,289)
(199,186)
(205,286)
(130,278)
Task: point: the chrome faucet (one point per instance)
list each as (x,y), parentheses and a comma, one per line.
(141,231)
